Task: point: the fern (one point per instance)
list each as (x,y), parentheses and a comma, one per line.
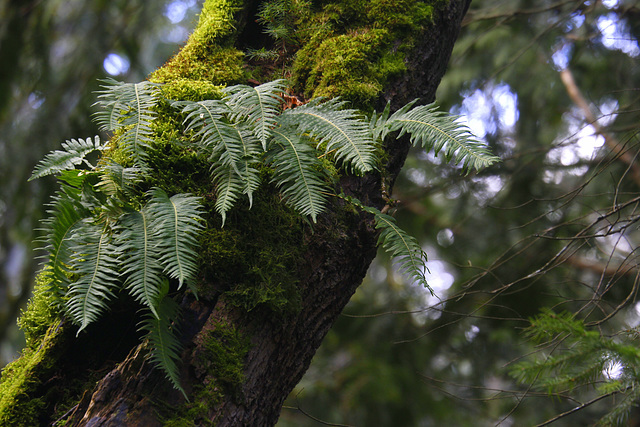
(437,131)
(161,335)
(295,172)
(257,106)
(398,244)
(96,263)
(75,151)
(176,221)
(101,242)
(228,188)
(129,107)
(342,131)
(141,263)
(66,214)
(231,151)
(117,180)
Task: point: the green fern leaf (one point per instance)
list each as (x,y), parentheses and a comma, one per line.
(65,216)
(229,186)
(178,223)
(161,335)
(224,144)
(342,131)
(216,135)
(257,106)
(129,106)
(296,172)
(117,180)
(75,151)
(95,261)
(440,131)
(398,244)
(140,261)
(405,248)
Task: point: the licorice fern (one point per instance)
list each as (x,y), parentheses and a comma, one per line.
(75,151)
(106,235)
(129,108)
(95,262)
(437,131)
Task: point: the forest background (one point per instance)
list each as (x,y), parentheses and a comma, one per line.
(551,86)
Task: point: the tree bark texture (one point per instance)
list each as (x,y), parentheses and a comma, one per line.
(279,350)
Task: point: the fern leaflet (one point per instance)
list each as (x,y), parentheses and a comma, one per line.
(176,221)
(342,131)
(439,131)
(257,106)
(66,214)
(75,151)
(398,244)
(96,262)
(296,173)
(130,107)
(161,335)
(140,261)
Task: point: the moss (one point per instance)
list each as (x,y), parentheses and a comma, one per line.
(219,360)
(208,55)
(253,260)
(41,312)
(22,377)
(357,47)
(20,403)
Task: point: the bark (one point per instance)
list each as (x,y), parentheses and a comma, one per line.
(336,258)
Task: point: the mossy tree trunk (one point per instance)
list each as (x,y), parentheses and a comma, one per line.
(246,346)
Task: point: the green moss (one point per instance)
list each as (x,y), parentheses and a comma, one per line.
(357,47)
(219,360)
(208,55)
(41,312)
(254,259)
(20,404)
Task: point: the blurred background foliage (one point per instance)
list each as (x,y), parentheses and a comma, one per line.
(552,85)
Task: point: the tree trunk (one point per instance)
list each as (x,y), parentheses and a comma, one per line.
(238,363)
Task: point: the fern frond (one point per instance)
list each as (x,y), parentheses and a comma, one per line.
(75,151)
(440,131)
(116,179)
(96,262)
(297,173)
(401,246)
(342,130)
(129,106)
(140,258)
(229,186)
(178,222)
(257,106)
(222,142)
(161,335)
(65,216)
(398,244)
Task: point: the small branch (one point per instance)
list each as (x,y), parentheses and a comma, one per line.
(577,408)
(610,141)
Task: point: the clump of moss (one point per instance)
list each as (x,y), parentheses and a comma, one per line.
(208,55)
(357,47)
(20,403)
(219,359)
(41,312)
(253,261)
